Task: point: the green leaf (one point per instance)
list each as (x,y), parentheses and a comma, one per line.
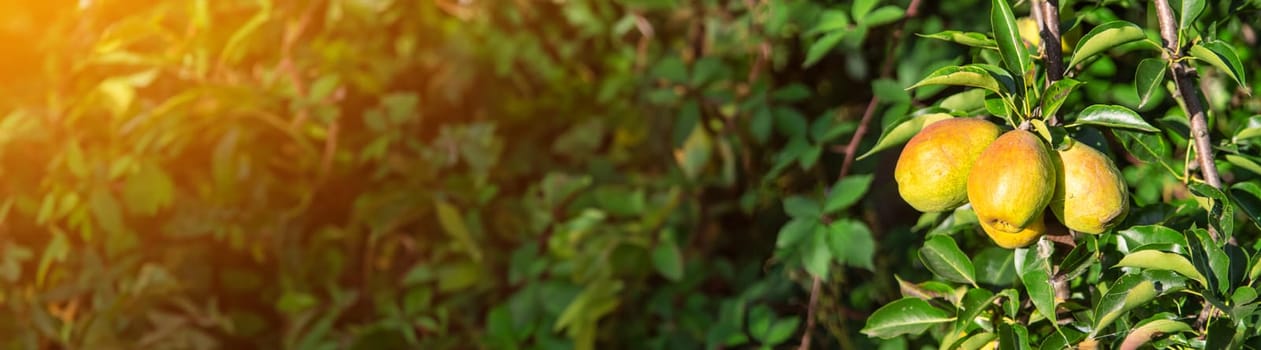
(998,107)
(881,16)
(1113,116)
(852,244)
(903,130)
(1243,295)
(1145,332)
(235,47)
(972,39)
(782,330)
(1222,212)
(105,209)
(1247,195)
(1148,79)
(846,192)
(323,87)
(973,342)
(1104,37)
(794,231)
(56,250)
(1139,236)
(696,151)
(75,161)
(149,190)
(927,290)
(890,91)
(811,156)
(667,259)
(670,68)
(761,124)
(862,7)
(453,223)
(1221,55)
(1249,129)
(1158,260)
(1007,36)
(904,316)
(1210,260)
(944,258)
(791,123)
(1126,293)
(1013,336)
(831,20)
(1245,162)
(1147,147)
(801,207)
(969,102)
(996,266)
(822,46)
(791,93)
(970,75)
(709,69)
(1188,12)
(1081,258)
(293,302)
(1056,94)
(1037,281)
(974,302)
(817,255)
(1220,336)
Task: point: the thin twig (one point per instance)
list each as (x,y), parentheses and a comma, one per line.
(851,151)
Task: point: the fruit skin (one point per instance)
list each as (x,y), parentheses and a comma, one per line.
(932,170)
(1009,187)
(1013,240)
(1090,194)
(1031,35)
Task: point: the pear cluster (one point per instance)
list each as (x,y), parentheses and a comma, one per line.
(1010,178)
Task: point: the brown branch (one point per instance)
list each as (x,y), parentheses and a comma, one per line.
(851,151)
(1184,77)
(1048,15)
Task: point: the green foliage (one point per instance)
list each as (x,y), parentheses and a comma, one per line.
(1178,257)
(659,174)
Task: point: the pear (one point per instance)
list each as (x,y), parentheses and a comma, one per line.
(933,168)
(1018,239)
(1009,187)
(1090,194)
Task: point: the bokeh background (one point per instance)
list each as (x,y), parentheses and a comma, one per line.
(455,174)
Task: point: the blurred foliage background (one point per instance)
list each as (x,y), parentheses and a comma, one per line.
(379,174)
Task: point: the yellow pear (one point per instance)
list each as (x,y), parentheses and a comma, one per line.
(1029,33)
(1009,187)
(1019,239)
(1090,194)
(932,170)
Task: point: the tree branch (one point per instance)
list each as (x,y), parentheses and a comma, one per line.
(851,151)
(1184,77)
(1047,14)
